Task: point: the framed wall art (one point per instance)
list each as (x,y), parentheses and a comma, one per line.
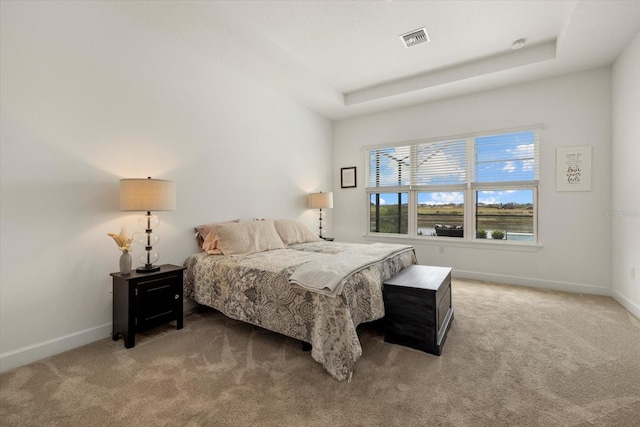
(573,168)
(348,177)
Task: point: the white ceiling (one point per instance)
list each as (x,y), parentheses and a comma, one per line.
(345,58)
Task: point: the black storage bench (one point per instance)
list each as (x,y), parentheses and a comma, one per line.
(418,310)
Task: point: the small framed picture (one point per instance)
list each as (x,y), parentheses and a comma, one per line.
(348,177)
(573,168)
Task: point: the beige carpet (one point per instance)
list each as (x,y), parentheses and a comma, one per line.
(514,357)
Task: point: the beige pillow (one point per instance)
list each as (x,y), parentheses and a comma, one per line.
(292,232)
(207,238)
(248,237)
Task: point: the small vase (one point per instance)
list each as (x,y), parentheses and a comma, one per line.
(125,263)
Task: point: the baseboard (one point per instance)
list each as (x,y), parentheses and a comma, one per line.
(626,303)
(534,283)
(32,353)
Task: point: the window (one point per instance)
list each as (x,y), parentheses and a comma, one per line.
(389,213)
(389,169)
(473,187)
(505,214)
(441,212)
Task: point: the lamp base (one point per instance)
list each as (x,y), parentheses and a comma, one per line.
(148,268)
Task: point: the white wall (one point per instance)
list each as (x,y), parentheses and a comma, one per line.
(90,96)
(625,205)
(574,235)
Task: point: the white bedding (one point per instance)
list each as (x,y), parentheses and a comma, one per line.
(328,274)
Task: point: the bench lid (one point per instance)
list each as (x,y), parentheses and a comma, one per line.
(420,276)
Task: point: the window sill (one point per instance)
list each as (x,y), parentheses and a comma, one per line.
(503,245)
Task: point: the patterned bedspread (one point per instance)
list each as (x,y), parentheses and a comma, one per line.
(255,288)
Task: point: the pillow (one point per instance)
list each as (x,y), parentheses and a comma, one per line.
(248,237)
(292,232)
(203,231)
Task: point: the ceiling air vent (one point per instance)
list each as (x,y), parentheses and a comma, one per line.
(415,37)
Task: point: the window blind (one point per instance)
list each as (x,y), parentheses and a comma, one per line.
(388,167)
(478,160)
(441,163)
(508,157)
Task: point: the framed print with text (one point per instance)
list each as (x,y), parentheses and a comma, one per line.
(573,168)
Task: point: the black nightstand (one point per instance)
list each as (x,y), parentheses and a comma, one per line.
(144,300)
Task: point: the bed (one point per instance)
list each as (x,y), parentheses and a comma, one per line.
(246,272)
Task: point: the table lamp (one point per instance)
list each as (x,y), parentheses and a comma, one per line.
(139,194)
(321,201)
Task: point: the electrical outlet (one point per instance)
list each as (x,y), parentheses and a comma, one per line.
(441,248)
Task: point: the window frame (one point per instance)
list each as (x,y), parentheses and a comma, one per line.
(399,194)
(469,189)
(497,187)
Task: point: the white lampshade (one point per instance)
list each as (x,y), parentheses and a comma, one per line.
(139,194)
(321,200)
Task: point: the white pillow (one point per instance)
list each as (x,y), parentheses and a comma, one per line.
(292,232)
(248,237)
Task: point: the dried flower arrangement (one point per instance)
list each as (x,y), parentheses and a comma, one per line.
(123,242)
